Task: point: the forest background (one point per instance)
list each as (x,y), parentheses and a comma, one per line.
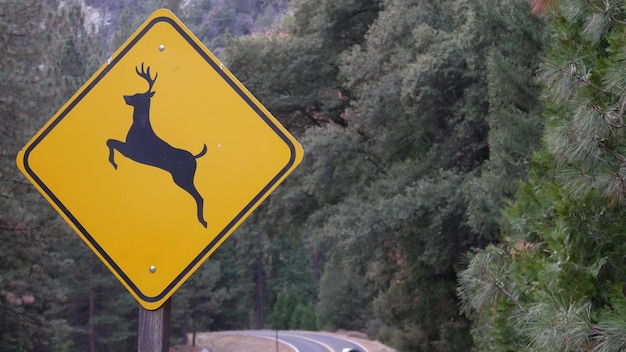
(462,187)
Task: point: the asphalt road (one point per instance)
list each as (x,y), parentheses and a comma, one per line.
(303,341)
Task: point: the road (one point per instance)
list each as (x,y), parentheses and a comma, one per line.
(302,341)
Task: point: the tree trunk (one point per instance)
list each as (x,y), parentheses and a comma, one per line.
(184,327)
(316,270)
(260,284)
(193,334)
(92,313)
(93,264)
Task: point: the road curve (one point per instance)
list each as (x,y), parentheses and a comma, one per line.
(336,343)
(303,341)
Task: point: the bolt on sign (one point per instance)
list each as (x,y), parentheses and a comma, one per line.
(158,158)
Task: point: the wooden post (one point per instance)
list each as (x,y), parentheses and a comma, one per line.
(154,328)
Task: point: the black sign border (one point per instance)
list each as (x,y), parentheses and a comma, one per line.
(202,51)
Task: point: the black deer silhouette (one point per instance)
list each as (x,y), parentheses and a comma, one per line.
(145,147)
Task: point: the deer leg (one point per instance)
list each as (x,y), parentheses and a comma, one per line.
(200,209)
(185,181)
(114,144)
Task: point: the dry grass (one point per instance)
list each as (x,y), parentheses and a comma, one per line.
(231,343)
(215,342)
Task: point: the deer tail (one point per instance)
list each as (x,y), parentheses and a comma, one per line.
(201,153)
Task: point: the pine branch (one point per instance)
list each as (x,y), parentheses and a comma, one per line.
(476,282)
(19,12)
(22,315)
(603,146)
(606,12)
(571,70)
(605,115)
(374,159)
(500,287)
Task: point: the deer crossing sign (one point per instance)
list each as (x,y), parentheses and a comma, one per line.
(158,158)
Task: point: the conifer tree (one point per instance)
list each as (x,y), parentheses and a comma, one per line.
(124,29)
(508,41)
(380,194)
(556,283)
(31,295)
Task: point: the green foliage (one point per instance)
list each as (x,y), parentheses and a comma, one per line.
(613,327)
(200,300)
(341,23)
(420,127)
(291,312)
(389,197)
(31,293)
(304,317)
(260,273)
(585,97)
(291,268)
(283,310)
(273,67)
(124,29)
(344,298)
(561,261)
(46,285)
(510,40)
(214,20)
(418,119)
(557,274)
(294,68)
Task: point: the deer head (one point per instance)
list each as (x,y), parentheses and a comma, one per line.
(146,75)
(142,98)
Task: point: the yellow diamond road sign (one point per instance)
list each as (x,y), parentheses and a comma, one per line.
(158,158)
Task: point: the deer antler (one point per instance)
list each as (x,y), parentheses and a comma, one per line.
(146,75)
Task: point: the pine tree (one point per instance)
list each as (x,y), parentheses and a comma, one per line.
(30,293)
(394,127)
(201,298)
(556,283)
(305,48)
(508,41)
(124,29)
